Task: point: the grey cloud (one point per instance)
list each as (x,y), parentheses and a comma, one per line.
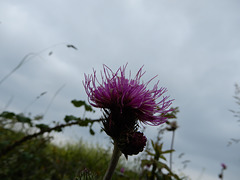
(193,47)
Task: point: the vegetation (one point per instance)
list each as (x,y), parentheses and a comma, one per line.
(26,151)
(38,158)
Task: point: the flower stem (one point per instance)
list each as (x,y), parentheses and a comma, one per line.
(172,149)
(115,157)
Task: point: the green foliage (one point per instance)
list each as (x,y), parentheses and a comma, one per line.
(42,127)
(9,120)
(172,114)
(28,155)
(26,151)
(157,162)
(20,118)
(86,175)
(22,162)
(79,103)
(7,115)
(39,159)
(154,166)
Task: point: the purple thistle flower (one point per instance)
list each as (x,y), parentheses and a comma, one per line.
(127,98)
(224,166)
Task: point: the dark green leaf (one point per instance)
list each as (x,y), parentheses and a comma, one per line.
(161,165)
(91,131)
(162,157)
(83,122)
(38,117)
(59,129)
(149,153)
(88,108)
(172,114)
(42,127)
(69,118)
(153,145)
(168,151)
(78,103)
(145,162)
(23,119)
(7,115)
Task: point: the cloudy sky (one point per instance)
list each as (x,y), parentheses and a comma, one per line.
(193,47)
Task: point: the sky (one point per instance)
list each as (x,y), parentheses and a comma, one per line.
(193,47)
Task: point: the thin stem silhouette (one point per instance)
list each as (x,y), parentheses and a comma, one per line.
(171,153)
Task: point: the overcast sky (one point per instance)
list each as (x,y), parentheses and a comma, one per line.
(193,47)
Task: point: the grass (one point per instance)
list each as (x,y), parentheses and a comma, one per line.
(40,159)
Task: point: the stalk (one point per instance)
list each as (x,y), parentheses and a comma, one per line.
(113,164)
(173,134)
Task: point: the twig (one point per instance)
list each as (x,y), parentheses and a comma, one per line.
(29,137)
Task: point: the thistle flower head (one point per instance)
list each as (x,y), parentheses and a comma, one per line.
(132,143)
(124,102)
(122,96)
(224,166)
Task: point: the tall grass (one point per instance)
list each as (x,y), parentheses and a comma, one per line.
(40,159)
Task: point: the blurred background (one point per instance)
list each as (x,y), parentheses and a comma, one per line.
(193,47)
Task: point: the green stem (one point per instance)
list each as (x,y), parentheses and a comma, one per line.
(115,157)
(221,177)
(172,149)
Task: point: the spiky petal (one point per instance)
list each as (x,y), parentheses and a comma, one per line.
(116,92)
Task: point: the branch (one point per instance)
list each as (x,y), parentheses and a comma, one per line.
(10,147)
